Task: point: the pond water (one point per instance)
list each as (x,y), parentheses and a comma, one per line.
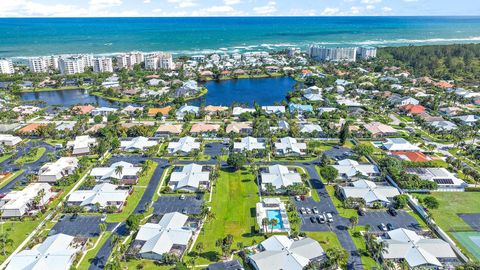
(265,91)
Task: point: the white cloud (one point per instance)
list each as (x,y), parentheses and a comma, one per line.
(370,7)
(232,2)
(387,9)
(371,1)
(25,8)
(268,9)
(103,4)
(183,3)
(355,10)
(147,1)
(302,12)
(328,11)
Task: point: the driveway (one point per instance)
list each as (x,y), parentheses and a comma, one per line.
(214,149)
(81,226)
(401,220)
(29,167)
(168,204)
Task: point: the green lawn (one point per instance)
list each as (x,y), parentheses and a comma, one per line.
(91,254)
(53,142)
(136,195)
(368,262)
(233,204)
(326,239)
(29,159)
(346,213)
(147,265)
(5,157)
(452,204)
(17,231)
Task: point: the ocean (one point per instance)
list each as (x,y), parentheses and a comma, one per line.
(45,36)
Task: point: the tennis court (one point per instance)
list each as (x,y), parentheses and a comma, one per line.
(471,241)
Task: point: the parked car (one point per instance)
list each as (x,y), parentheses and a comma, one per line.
(182,197)
(362,211)
(302,211)
(390,227)
(61,218)
(73,217)
(392,211)
(184,211)
(382,227)
(329,217)
(309,211)
(297,198)
(321,219)
(313,219)
(104,217)
(315,210)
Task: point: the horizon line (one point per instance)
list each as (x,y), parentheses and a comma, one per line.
(242,16)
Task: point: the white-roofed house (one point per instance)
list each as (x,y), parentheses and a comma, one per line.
(441,176)
(53,171)
(101,196)
(239,110)
(399,145)
(274,109)
(348,169)
(313,93)
(191,178)
(184,145)
(20,202)
(468,119)
(370,192)
(169,235)
(311,129)
(290,146)
(443,125)
(122,172)
(138,143)
(187,109)
(103,111)
(9,140)
(281,252)
(57,252)
(82,145)
(280,177)
(249,144)
(417,251)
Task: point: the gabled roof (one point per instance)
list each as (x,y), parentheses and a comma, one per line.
(351,168)
(101,194)
(109,172)
(249,143)
(399,144)
(369,191)
(185,144)
(279,175)
(289,144)
(138,143)
(190,176)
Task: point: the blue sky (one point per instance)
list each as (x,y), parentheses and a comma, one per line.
(106,8)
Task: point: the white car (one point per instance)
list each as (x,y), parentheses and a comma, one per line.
(329,217)
(297,198)
(315,210)
(302,211)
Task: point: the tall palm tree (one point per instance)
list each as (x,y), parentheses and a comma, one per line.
(273,223)
(119,170)
(265,223)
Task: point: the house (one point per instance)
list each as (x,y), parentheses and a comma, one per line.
(323,110)
(412,156)
(281,252)
(341,100)
(239,110)
(273,109)
(210,109)
(131,110)
(348,169)
(313,93)
(300,108)
(26,110)
(169,235)
(82,109)
(123,172)
(443,125)
(103,111)
(429,118)
(248,144)
(290,146)
(282,125)
(138,143)
(169,129)
(20,202)
(417,251)
(311,128)
(198,128)
(9,140)
(30,128)
(190,178)
(53,171)
(399,145)
(441,176)
(413,109)
(226,265)
(189,88)
(378,129)
(241,127)
(279,177)
(82,145)
(469,120)
(407,101)
(187,109)
(369,192)
(101,196)
(56,252)
(152,112)
(184,145)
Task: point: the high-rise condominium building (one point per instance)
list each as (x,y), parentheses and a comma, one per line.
(332,54)
(102,64)
(366,53)
(6,66)
(159,60)
(128,60)
(72,65)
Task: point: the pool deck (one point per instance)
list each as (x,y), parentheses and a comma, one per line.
(262,212)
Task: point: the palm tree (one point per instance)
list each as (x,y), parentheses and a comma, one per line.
(273,222)
(265,223)
(103,227)
(119,170)
(353,221)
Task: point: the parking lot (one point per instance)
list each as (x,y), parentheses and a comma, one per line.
(81,226)
(401,220)
(307,225)
(168,204)
(473,220)
(214,149)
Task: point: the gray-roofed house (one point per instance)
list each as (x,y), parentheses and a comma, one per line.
(370,192)
(281,252)
(228,265)
(290,146)
(280,177)
(191,178)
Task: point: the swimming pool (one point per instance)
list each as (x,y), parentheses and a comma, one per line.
(275,214)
